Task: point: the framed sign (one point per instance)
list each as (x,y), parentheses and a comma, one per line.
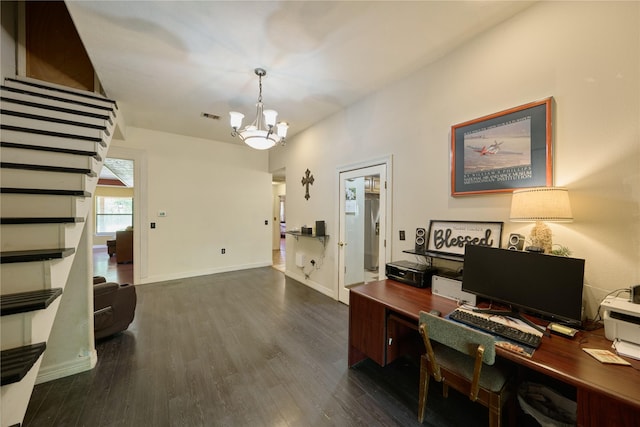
(450,237)
(503,151)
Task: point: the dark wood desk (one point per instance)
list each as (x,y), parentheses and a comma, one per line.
(383,318)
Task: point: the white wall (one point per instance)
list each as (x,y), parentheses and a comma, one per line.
(585,55)
(216,195)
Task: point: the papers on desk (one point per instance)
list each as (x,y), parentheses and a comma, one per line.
(605,356)
(624,348)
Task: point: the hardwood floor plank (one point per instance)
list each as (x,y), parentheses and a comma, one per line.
(244,348)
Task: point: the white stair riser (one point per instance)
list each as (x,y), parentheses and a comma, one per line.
(58,104)
(29,328)
(35,276)
(28,138)
(13,395)
(41,206)
(22,329)
(47,158)
(51,126)
(67,96)
(47,112)
(22,237)
(44,180)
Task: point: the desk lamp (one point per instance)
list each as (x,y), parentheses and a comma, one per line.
(538,205)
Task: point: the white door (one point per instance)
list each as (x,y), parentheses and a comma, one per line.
(362,224)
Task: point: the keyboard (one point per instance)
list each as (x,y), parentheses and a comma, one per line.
(496,328)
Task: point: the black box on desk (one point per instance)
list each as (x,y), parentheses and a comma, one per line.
(320,228)
(306,230)
(411,273)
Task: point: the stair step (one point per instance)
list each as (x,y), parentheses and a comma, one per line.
(30,116)
(27,301)
(37,105)
(44,192)
(47,157)
(35,255)
(46,168)
(52,133)
(21,94)
(70,151)
(36,204)
(17,362)
(91,99)
(43,220)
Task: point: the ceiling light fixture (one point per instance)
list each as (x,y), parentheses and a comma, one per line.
(259,134)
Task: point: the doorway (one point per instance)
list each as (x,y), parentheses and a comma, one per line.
(363,224)
(140,203)
(279,219)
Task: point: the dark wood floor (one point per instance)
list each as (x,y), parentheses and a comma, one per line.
(246,348)
(108,267)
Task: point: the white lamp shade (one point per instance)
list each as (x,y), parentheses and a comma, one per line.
(236,119)
(541,204)
(282,129)
(270,117)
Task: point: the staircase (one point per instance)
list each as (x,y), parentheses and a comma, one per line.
(53,140)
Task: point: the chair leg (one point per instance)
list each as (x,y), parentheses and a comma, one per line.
(495,413)
(424,388)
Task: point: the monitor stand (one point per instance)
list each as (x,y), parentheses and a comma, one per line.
(515,314)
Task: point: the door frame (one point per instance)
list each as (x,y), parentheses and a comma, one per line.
(140,213)
(387,186)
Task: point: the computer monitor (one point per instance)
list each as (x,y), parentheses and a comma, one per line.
(546,285)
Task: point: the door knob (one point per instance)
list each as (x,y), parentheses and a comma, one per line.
(341,244)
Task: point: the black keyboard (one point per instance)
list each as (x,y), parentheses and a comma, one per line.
(496,328)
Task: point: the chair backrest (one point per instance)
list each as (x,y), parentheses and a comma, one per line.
(459,336)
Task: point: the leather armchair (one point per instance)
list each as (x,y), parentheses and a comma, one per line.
(114,307)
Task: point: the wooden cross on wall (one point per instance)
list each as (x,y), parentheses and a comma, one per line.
(307,180)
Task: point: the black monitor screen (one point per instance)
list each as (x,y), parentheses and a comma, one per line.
(547,285)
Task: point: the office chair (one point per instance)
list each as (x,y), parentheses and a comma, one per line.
(464,359)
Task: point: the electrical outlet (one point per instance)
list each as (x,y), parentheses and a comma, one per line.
(402,236)
(266,222)
(153,225)
(223,251)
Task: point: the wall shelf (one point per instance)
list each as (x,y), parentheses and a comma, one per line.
(450,257)
(298,234)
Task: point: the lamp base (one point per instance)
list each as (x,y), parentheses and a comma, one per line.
(541,236)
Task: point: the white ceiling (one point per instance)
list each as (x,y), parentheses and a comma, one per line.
(167,62)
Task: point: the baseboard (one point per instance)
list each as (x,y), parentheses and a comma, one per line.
(61,370)
(310,283)
(206,272)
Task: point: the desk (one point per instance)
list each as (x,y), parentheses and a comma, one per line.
(383,318)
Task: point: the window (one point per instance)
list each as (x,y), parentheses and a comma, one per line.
(113,214)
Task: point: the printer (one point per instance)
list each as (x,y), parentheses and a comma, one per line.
(621,319)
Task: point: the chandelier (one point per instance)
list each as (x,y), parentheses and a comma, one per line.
(260,134)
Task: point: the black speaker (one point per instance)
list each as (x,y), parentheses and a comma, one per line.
(421,240)
(320,228)
(516,242)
